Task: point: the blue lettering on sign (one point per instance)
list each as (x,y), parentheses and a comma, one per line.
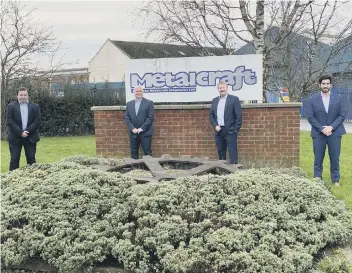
(188,81)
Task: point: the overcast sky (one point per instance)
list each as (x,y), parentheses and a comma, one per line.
(84,26)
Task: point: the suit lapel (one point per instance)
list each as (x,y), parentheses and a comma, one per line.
(227,103)
(29,113)
(216,107)
(332,100)
(18,113)
(140,106)
(320,101)
(133,108)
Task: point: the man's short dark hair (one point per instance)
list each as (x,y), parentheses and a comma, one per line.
(325,77)
(22,89)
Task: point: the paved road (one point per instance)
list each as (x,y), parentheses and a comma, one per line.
(305,126)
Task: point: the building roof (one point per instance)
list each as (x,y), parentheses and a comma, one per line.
(271,34)
(342,62)
(80,70)
(299,46)
(139,50)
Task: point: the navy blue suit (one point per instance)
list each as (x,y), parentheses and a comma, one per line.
(16,141)
(318,118)
(144,120)
(226,138)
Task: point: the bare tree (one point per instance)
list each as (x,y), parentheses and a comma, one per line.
(286,15)
(223,24)
(305,58)
(22,39)
(193,23)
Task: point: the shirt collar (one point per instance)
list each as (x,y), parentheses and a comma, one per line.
(138,100)
(324,96)
(23,103)
(225,97)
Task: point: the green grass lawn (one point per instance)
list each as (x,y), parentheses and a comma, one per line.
(51,149)
(306,162)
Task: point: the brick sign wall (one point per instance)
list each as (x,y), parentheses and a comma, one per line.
(269,134)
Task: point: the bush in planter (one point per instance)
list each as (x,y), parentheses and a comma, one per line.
(252,221)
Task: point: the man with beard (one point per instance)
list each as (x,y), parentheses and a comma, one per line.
(326,113)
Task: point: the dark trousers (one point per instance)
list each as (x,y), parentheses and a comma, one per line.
(15,151)
(334,149)
(226,141)
(140,140)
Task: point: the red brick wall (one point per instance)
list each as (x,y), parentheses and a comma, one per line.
(269,135)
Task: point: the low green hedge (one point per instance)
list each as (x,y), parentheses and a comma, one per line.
(68,115)
(74,217)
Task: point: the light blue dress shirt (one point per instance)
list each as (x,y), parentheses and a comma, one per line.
(24,115)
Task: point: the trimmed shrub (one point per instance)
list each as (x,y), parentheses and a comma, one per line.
(73,217)
(20,271)
(336,262)
(86,160)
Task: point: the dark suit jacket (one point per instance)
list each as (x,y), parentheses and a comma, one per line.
(144,118)
(14,123)
(318,117)
(232,116)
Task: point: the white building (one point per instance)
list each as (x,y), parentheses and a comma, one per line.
(108,65)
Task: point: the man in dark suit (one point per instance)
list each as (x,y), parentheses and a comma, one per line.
(326,113)
(139,118)
(226,117)
(23,121)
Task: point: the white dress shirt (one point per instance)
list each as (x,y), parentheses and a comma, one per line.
(326,101)
(221,111)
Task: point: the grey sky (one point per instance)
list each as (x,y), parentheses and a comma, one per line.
(84,26)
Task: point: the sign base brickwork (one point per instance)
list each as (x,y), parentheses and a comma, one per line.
(270,134)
